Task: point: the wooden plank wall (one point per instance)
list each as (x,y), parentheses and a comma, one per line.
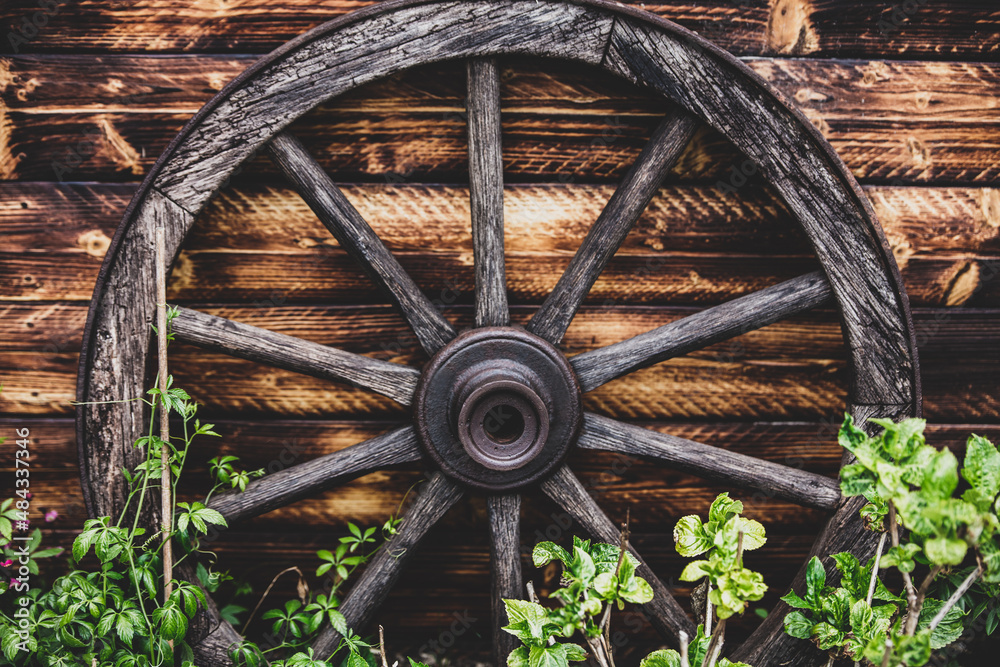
(907,93)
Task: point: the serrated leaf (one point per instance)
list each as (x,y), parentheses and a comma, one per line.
(945,550)
(798,625)
(982,466)
(546,552)
(690,537)
(516,658)
(662,658)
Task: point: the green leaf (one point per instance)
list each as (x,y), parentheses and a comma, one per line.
(548,656)
(695,570)
(815,580)
(797,625)
(828,637)
(516,658)
(753,533)
(982,466)
(948,630)
(690,537)
(795,602)
(639,592)
(582,565)
(546,552)
(723,508)
(662,658)
(575,653)
(945,550)
(941,476)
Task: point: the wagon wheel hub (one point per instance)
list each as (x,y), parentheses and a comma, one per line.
(498,408)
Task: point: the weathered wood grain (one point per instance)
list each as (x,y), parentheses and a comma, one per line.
(486,192)
(959,348)
(267,347)
(319,474)
(82,217)
(566,490)
(785,482)
(629,200)
(814,183)
(755,27)
(327,275)
(505,567)
(370,590)
(356,237)
(431,147)
(705,328)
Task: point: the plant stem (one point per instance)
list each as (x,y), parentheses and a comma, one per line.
(166,506)
(622,548)
(911,592)
(956,596)
(683,636)
(715,646)
(888,653)
(829,663)
(266,591)
(708,608)
(913,614)
(381,644)
(878,558)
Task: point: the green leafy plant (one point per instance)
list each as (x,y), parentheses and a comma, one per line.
(598,577)
(911,489)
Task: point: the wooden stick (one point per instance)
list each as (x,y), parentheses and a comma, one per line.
(684,649)
(953,600)
(381,644)
(874,578)
(166,505)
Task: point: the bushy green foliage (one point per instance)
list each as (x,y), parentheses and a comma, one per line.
(909,482)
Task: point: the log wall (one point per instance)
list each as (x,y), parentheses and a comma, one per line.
(907,93)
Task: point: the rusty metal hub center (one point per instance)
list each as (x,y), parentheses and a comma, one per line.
(498,408)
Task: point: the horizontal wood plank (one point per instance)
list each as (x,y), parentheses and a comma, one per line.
(753,27)
(70,118)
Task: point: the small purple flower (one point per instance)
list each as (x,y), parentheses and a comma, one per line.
(7,563)
(51,516)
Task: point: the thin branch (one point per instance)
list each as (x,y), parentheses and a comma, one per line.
(381,643)
(914,614)
(708,608)
(911,592)
(715,646)
(683,636)
(622,548)
(166,506)
(887,654)
(874,578)
(266,591)
(955,597)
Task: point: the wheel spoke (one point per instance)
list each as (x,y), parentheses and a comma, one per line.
(394,381)
(486,192)
(715,463)
(291,484)
(612,225)
(733,318)
(359,240)
(564,488)
(381,573)
(505,559)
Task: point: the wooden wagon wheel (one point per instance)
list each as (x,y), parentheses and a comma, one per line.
(496,366)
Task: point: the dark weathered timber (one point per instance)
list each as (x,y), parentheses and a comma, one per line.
(552,218)
(368,592)
(839,28)
(486,192)
(286,486)
(618,217)
(341,55)
(565,489)
(361,243)
(505,567)
(733,318)
(775,480)
(830,206)
(395,381)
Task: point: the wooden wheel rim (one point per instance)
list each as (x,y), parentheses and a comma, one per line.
(324,62)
